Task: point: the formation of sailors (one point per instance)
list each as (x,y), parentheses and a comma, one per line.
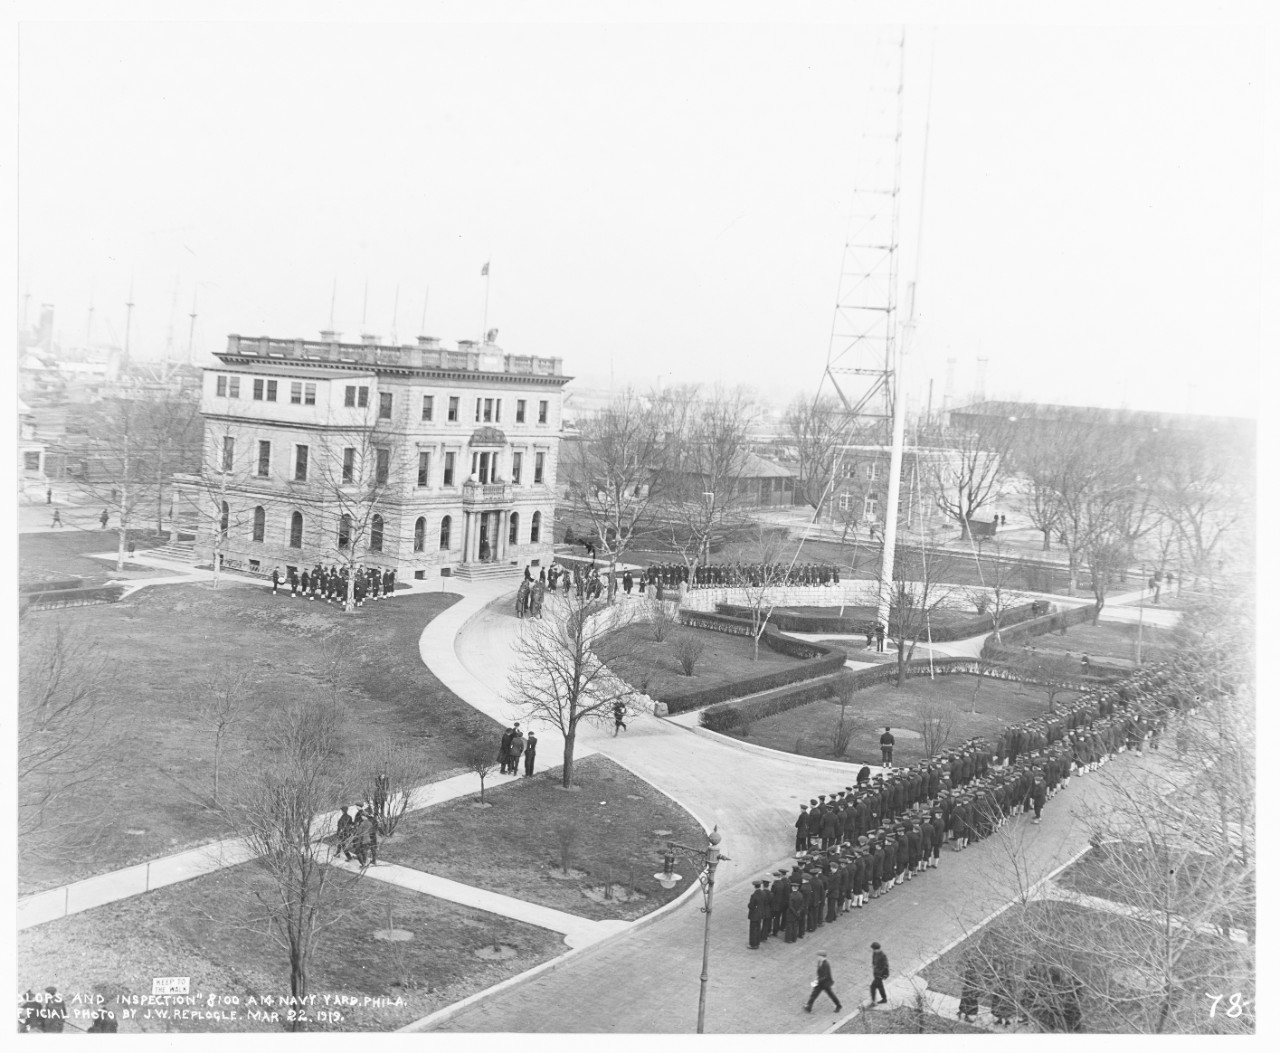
(861,842)
(330,583)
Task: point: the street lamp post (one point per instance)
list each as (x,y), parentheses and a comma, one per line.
(706,859)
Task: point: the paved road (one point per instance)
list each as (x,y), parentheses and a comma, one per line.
(647,980)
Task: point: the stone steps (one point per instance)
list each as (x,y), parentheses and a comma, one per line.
(487,571)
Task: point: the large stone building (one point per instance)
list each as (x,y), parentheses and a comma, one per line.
(420,457)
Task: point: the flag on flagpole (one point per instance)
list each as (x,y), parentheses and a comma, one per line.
(484,271)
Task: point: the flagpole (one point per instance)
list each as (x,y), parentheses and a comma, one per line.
(484,328)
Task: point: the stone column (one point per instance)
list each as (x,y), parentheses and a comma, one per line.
(502,534)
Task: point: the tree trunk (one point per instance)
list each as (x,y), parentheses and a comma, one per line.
(1073,575)
(1044,545)
(611,591)
(297,984)
(570,736)
(1097,610)
(902,664)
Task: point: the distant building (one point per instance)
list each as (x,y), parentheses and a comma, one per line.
(860,486)
(31,450)
(450,455)
(1032,418)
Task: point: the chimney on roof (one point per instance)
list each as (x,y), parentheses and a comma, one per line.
(369,338)
(329,336)
(431,343)
(466,345)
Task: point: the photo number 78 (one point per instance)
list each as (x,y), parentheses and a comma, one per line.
(1235,1004)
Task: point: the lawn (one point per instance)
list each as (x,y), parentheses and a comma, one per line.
(807,729)
(1072,937)
(202,929)
(513,847)
(1114,640)
(725,659)
(56,556)
(163,641)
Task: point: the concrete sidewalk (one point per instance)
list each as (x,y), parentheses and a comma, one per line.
(578,931)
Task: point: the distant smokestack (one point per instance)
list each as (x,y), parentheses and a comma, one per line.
(949,386)
(980,380)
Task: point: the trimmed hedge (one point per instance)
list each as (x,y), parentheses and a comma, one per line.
(1037,627)
(729,715)
(74,597)
(819,660)
(799,622)
(51,586)
(732,714)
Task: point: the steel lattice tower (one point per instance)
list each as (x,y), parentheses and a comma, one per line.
(860,355)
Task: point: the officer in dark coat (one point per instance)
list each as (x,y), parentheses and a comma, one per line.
(795,915)
(530,748)
(346,827)
(822,985)
(758,910)
(781,893)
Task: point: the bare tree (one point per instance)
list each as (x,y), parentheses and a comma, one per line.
(172,429)
(704,495)
(392,769)
(575,665)
(117,472)
(848,725)
(275,805)
(912,605)
(995,596)
(689,647)
(479,757)
(964,481)
(220,703)
(1036,458)
(759,579)
(935,719)
(815,427)
(614,475)
(66,735)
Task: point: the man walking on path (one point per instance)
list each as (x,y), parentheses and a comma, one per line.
(57,517)
(886,748)
(822,984)
(879,973)
(530,748)
(104,518)
(619,711)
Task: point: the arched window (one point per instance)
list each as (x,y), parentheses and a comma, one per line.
(344,531)
(445,525)
(375,535)
(226,518)
(295,530)
(420,534)
(515,528)
(535,528)
(259,523)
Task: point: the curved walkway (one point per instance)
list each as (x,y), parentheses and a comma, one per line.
(651,972)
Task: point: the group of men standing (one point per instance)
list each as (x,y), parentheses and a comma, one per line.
(330,583)
(584,582)
(358,834)
(513,746)
(859,843)
(728,575)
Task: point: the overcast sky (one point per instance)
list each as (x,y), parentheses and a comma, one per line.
(656,198)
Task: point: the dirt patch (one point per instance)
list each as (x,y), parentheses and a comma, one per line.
(618,894)
(393,935)
(498,952)
(572,874)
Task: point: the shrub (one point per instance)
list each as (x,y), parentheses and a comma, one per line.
(661,622)
(689,648)
(75,597)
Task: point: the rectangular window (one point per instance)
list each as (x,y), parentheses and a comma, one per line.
(349,465)
(519,411)
(384,405)
(222,387)
(453,407)
(424,469)
(309,396)
(271,390)
(362,398)
(846,502)
(497,411)
(871,506)
(264,458)
(873,470)
(228,452)
(517,462)
(257,390)
(479,403)
(233,388)
(302,454)
(849,469)
(350,399)
(542,412)
(295,393)
(539,459)
(488,411)
(383,468)
(428,406)
(448,469)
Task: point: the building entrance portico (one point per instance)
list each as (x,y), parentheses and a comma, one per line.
(485,536)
